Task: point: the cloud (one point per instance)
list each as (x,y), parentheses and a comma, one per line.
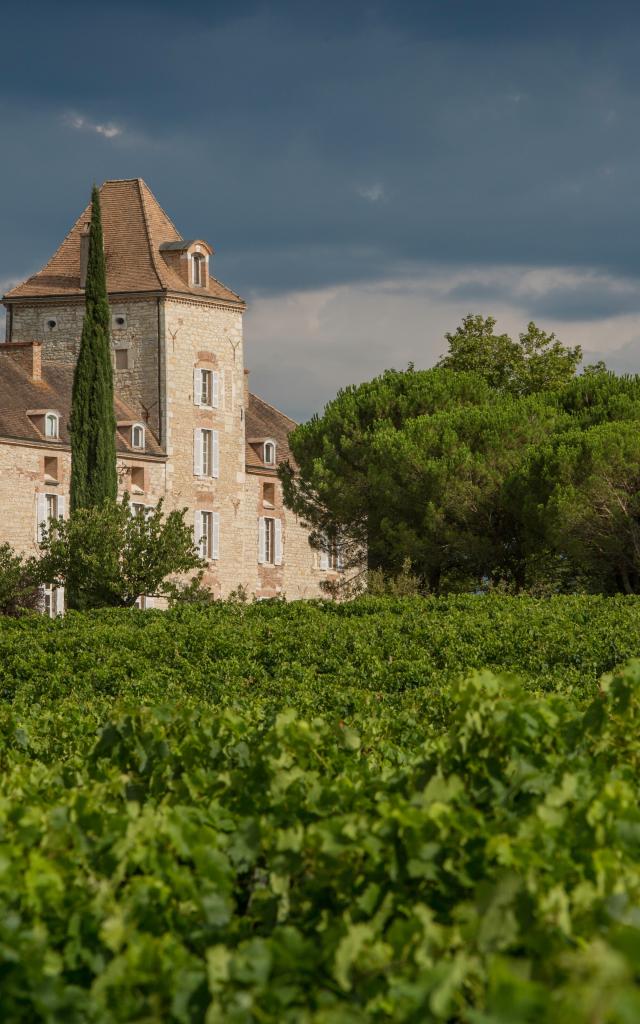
(373,193)
(108,130)
(302,346)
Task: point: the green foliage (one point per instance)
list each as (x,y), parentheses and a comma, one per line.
(93,426)
(536,362)
(319,813)
(108,556)
(19,583)
(499,468)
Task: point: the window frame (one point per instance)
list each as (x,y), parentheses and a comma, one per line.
(197,270)
(134,429)
(270,541)
(53,417)
(269,446)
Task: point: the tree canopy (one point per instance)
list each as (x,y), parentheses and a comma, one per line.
(500,466)
(110,557)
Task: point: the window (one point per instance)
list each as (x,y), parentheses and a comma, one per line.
(270,453)
(51,422)
(206,453)
(51,469)
(122,359)
(206,387)
(269,541)
(51,323)
(268,495)
(119,321)
(48,507)
(53,601)
(198,269)
(137,479)
(331,556)
(138,508)
(137,436)
(207,534)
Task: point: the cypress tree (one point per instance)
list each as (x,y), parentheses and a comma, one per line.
(93,426)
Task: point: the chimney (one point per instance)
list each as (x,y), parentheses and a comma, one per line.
(27,355)
(84,253)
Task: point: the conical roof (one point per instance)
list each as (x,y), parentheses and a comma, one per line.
(134,226)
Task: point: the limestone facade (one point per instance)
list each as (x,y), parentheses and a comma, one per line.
(179,373)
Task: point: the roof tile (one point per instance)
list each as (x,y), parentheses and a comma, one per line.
(134,226)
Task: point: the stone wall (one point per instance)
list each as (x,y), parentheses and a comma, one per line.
(23,478)
(208,336)
(138,384)
(165,341)
(299,576)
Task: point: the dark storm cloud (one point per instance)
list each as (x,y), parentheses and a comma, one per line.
(270,123)
(322,144)
(590,298)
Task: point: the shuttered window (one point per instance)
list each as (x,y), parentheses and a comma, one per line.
(207,534)
(206,452)
(269,541)
(206,388)
(48,507)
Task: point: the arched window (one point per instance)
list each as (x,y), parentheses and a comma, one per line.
(270,453)
(51,425)
(198,269)
(137,436)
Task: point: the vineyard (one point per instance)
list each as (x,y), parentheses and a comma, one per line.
(410,810)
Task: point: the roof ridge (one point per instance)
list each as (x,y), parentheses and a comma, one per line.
(223,285)
(279,411)
(140,182)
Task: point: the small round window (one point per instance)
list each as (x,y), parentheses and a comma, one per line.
(52,323)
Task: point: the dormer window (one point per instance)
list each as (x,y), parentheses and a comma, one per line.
(269,454)
(137,436)
(197,261)
(52,425)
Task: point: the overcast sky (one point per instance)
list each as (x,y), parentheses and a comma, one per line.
(368,173)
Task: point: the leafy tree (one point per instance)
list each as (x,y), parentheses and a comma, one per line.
(110,557)
(19,583)
(93,446)
(580,501)
(536,362)
(333,484)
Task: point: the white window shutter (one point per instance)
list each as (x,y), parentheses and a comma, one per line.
(59,592)
(324,559)
(197,451)
(215,389)
(278,545)
(339,559)
(197,530)
(215,453)
(197,386)
(215,535)
(41,514)
(262,540)
(61,506)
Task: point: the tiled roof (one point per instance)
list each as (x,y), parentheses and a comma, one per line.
(263,422)
(134,226)
(19,393)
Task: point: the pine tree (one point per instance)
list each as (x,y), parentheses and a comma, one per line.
(93,427)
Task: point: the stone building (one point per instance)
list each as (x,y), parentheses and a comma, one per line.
(188,429)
